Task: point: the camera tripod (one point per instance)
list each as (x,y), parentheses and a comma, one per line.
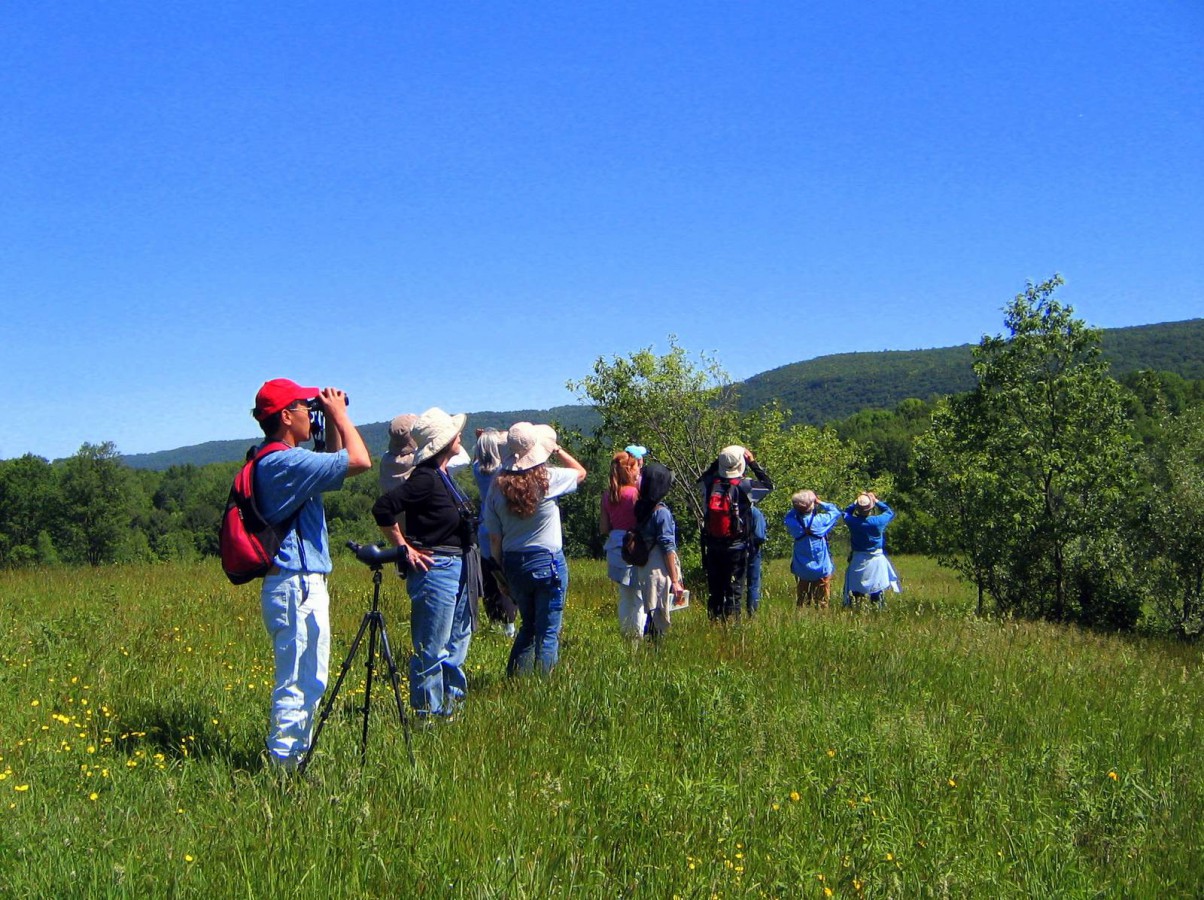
(373,624)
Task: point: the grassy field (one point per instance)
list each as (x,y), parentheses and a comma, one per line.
(915,752)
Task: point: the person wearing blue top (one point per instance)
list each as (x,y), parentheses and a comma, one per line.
(870,573)
(294,600)
(660,577)
(808,522)
(758,534)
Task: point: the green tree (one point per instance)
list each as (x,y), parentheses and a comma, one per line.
(1029,474)
(30,510)
(1173,524)
(803,456)
(98,505)
(682,411)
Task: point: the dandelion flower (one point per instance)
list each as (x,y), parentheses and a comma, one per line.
(831,753)
(1113,776)
(952,783)
(188,857)
(21,788)
(94,796)
(794,797)
(36,703)
(776,807)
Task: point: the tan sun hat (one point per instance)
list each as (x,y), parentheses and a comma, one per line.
(731,462)
(529,446)
(865,503)
(399,458)
(434,430)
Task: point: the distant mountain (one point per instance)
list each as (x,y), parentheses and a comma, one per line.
(815,391)
(834,387)
(375,435)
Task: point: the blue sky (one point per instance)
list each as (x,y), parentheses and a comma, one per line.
(464,205)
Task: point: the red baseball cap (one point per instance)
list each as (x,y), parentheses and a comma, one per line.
(279,393)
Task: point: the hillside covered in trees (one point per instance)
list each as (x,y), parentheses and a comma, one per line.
(815,392)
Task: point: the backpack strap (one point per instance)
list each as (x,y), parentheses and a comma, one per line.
(293,521)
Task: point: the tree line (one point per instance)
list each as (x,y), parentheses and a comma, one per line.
(1058,491)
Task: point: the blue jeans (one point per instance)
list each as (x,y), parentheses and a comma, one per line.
(538,581)
(754,578)
(296,613)
(440,629)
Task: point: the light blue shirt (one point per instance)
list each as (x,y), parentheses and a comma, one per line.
(296,479)
(811,559)
(542,529)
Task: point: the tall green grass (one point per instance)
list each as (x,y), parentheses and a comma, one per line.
(915,752)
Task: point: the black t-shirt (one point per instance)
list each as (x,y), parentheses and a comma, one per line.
(432,519)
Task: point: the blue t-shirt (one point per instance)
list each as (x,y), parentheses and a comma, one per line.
(868,532)
(292,479)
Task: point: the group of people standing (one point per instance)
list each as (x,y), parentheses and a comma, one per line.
(869,574)
(511,555)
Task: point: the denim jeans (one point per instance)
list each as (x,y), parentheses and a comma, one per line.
(440,629)
(538,581)
(296,613)
(754,578)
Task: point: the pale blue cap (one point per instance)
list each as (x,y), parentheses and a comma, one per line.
(637,451)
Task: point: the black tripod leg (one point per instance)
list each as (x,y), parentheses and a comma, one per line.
(371,666)
(395,678)
(330,698)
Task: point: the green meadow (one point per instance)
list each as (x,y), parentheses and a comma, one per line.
(914,752)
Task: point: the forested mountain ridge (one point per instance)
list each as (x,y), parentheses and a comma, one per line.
(375,435)
(815,391)
(834,387)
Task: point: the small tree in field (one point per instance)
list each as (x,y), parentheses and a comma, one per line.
(1029,474)
(686,412)
(681,411)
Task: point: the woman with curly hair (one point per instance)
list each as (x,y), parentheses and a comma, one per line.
(617,516)
(523,521)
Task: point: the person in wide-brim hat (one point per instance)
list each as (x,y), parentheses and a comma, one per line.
(433,431)
(432,519)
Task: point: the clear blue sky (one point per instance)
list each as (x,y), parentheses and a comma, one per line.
(465,204)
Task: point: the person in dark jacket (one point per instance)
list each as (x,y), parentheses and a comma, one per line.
(727,529)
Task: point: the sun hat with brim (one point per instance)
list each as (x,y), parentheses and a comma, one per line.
(639,451)
(529,446)
(434,430)
(398,460)
(731,462)
(278,394)
(864,503)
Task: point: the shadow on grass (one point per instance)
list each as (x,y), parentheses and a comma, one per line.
(182,732)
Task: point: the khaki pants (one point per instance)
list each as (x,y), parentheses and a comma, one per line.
(814,593)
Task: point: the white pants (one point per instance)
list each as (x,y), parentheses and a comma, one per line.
(296,613)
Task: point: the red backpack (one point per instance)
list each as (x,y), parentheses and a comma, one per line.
(724,515)
(248,543)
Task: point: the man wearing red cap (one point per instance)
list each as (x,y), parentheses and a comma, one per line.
(296,607)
